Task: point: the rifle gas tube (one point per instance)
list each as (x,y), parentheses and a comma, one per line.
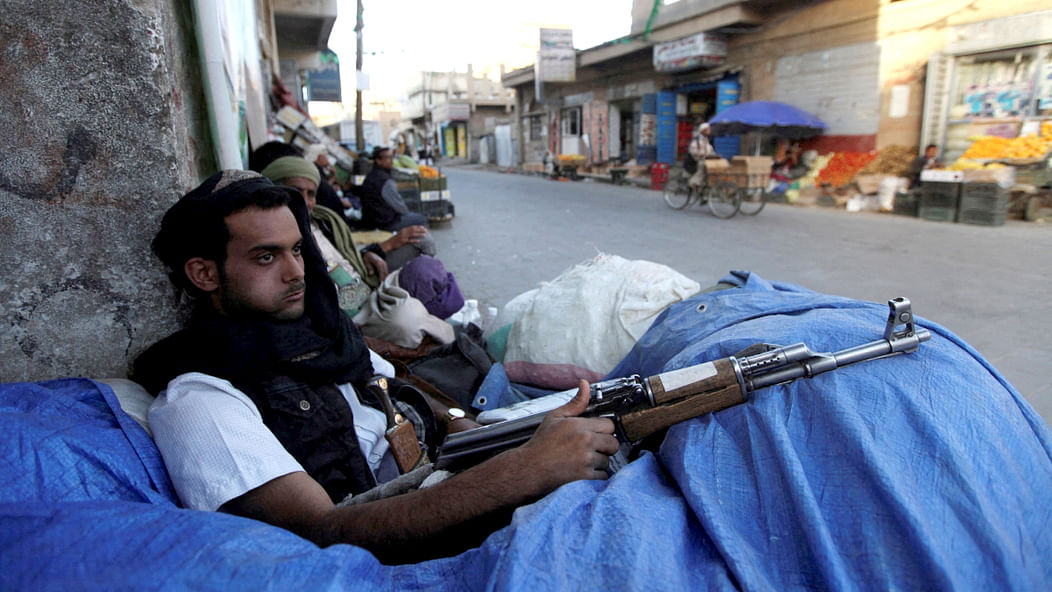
(640,407)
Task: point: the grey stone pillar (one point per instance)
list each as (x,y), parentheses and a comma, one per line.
(103,128)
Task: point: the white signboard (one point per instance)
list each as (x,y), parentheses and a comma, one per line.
(698,50)
(556,59)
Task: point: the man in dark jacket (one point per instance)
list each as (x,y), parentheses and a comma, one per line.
(262,406)
(382,204)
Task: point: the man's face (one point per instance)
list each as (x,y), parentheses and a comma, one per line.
(263,272)
(308,188)
(385,160)
(930,151)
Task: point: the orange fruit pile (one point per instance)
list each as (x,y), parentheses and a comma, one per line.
(992,147)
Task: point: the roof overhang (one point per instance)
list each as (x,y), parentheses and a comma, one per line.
(304,25)
(735,18)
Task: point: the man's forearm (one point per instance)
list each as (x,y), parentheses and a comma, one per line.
(442,520)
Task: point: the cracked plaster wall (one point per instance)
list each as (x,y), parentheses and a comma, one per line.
(103,128)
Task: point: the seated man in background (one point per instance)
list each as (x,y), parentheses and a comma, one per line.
(382,204)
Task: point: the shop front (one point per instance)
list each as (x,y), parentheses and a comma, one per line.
(452,121)
(700,86)
(996,80)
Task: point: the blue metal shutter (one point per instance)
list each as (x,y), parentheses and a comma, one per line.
(727,92)
(666,127)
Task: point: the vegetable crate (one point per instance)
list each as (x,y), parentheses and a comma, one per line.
(983,203)
(939,200)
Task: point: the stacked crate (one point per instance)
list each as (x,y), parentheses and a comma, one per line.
(906,203)
(983,203)
(434,197)
(939,201)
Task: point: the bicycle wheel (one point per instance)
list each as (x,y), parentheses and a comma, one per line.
(724,199)
(677,194)
(753,200)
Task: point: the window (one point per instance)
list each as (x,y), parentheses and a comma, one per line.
(571,121)
(536,128)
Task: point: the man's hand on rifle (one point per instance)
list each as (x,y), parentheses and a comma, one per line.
(567,447)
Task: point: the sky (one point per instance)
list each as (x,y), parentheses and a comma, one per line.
(401,37)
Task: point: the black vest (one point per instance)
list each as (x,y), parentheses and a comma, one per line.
(316,426)
(375,211)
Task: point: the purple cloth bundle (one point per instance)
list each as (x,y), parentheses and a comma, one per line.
(427,280)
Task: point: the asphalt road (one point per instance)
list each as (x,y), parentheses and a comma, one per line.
(989,285)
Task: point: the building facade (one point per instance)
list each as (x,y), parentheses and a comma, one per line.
(455,112)
(877,72)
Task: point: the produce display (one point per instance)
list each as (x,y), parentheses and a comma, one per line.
(993,147)
(427,172)
(892,160)
(807,180)
(843,167)
(405,161)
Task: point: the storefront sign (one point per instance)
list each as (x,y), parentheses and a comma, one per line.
(323,84)
(697,51)
(451,112)
(556,59)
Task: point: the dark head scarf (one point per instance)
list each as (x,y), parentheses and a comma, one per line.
(321,347)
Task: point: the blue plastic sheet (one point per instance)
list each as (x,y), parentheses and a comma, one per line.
(923,471)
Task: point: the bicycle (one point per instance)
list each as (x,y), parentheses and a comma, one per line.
(722,197)
(753,199)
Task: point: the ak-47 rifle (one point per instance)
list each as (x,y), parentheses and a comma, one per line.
(639,407)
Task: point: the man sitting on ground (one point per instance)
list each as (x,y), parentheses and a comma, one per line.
(261,413)
(382,204)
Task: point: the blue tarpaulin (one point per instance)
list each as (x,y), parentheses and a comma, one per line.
(919,471)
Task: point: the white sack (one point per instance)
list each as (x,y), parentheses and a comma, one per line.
(592,314)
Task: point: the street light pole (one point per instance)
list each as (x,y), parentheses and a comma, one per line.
(359,127)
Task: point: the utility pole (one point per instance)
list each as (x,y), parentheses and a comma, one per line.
(359,127)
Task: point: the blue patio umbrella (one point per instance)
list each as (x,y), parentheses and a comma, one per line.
(770,117)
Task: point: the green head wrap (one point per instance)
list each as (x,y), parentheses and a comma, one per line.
(291,166)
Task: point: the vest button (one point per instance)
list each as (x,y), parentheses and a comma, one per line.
(305,405)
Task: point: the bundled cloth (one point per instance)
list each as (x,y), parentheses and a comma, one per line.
(393,315)
(427,279)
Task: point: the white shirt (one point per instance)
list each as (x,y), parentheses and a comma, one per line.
(216,446)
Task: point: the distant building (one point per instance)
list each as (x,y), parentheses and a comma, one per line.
(877,72)
(457,112)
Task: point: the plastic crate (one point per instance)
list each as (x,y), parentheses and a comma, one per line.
(906,204)
(983,191)
(984,204)
(935,194)
(404,175)
(982,218)
(437,211)
(937,213)
(433,184)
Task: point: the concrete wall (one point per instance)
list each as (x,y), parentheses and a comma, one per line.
(103,130)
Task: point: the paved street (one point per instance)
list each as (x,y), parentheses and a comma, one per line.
(988,285)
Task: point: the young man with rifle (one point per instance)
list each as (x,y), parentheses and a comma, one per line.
(268,406)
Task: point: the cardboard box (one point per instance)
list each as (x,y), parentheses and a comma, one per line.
(1005,177)
(753,164)
(717,165)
